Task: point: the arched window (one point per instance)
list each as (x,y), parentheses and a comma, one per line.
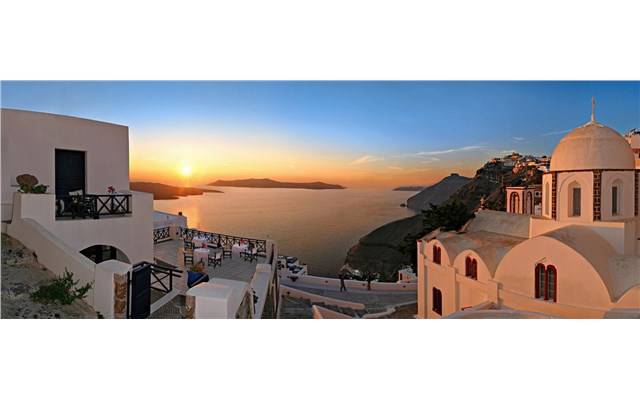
(616,197)
(437,254)
(471,268)
(529,203)
(540,279)
(575,198)
(552,281)
(515,202)
(437,301)
(547,190)
(546,282)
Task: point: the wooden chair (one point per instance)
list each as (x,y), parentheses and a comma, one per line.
(188,245)
(215,260)
(250,254)
(226,252)
(188,257)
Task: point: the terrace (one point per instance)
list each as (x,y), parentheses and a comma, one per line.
(169,253)
(231,285)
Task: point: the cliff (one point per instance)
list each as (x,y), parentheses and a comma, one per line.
(378,251)
(410,188)
(269,183)
(437,193)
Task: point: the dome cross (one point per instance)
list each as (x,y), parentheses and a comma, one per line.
(593,109)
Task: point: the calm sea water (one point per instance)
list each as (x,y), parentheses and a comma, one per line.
(318,226)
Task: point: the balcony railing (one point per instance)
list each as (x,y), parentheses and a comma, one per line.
(161,234)
(92,205)
(219,240)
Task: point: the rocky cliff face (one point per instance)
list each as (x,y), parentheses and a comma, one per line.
(437,193)
(378,252)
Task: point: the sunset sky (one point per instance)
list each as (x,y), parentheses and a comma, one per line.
(354,133)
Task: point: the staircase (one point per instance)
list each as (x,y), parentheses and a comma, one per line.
(23,275)
(294,308)
(343,310)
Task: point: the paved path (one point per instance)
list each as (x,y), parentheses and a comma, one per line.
(373,300)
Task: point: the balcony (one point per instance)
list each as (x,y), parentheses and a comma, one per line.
(92,206)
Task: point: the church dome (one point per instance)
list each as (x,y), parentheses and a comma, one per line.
(592,146)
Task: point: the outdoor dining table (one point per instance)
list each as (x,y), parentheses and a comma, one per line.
(201,254)
(239,248)
(198,240)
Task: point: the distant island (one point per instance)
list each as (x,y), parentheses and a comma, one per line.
(410,188)
(269,183)
(166,192)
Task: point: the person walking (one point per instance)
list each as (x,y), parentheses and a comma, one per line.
(342,287)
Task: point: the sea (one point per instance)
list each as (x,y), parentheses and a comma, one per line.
(317,226)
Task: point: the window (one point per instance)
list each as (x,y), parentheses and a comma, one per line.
(546,282)
(437,301)
(575,198)
(437,254)
(529,204)
(552,276)
(616,197)
(471,268)
(540,279)
(515,203)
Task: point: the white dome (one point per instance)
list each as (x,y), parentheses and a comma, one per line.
(592,146)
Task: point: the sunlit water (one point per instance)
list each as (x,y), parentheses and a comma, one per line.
(318,226)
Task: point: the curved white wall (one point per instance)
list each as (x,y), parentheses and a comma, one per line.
(563,196)
(578,282)
(626,194)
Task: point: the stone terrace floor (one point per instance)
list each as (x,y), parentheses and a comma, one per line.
(236,268)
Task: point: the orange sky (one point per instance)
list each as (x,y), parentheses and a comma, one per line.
(178,162)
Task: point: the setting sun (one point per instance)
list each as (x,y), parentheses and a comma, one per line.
(186,170)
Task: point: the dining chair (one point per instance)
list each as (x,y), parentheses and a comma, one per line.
(250,255)
(188,258)
(215,260)
(226,252)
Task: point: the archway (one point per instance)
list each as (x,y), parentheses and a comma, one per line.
(102,252)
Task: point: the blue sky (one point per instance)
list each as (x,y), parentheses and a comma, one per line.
(359,133)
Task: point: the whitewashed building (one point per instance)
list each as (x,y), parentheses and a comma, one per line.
(579,259)
(88,221)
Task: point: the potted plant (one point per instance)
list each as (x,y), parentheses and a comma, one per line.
(29,184)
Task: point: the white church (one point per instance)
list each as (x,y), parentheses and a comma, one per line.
(579,259)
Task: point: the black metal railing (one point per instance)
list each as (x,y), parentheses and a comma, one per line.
(161,234)
(92,205)
(162,277)
(220,240)
(143,277)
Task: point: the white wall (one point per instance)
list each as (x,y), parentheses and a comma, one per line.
(563,205)
(547,185)
(133,234)
(578,283)
(29,140)
(219,299)
(627,199)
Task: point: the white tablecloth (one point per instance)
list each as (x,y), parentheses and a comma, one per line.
(201,255)
(239,248)
(198,240)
